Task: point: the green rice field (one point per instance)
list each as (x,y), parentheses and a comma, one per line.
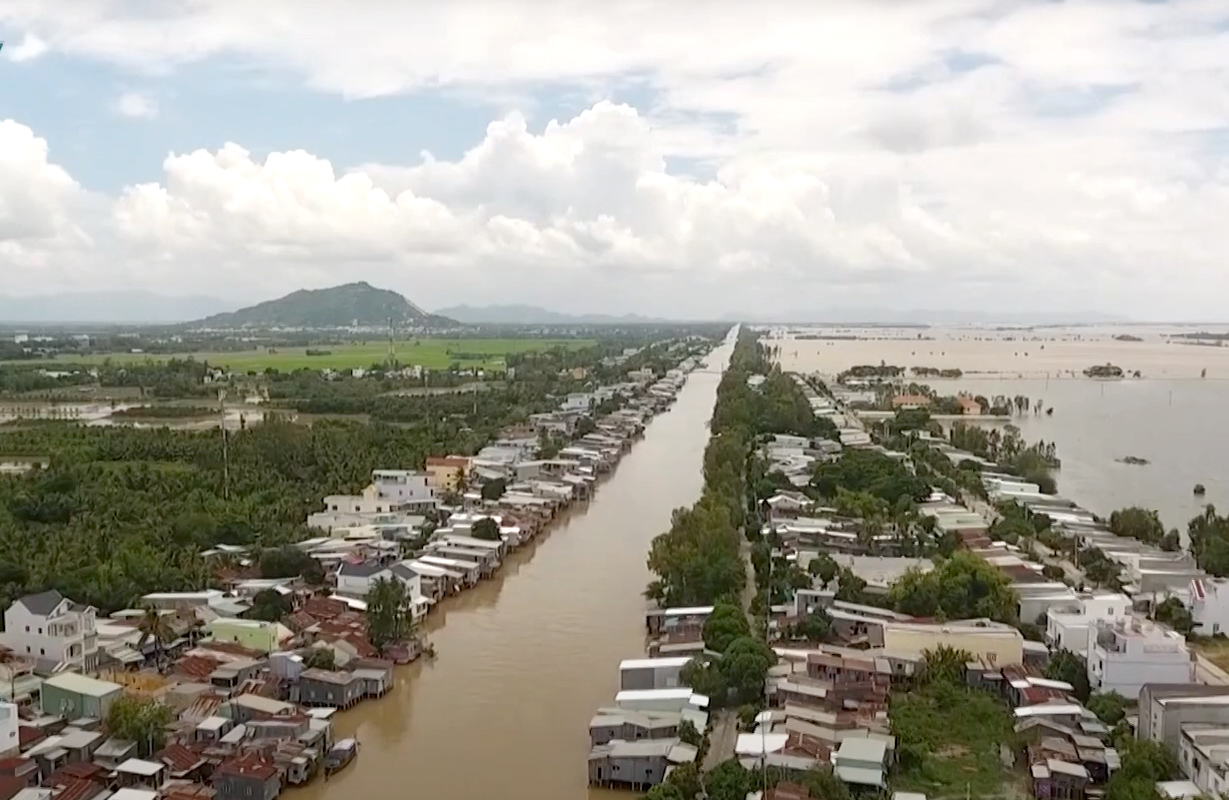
(484,354)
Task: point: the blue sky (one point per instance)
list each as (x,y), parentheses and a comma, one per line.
(72,103)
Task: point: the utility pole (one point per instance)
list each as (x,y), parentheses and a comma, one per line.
(225,451)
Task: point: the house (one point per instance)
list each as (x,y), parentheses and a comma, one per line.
(636,765)
(10,743)
(254,634)
(1210,605)
(968,406)
(1127,654)
(390,490)
(376,681)
(660,699)
(1166,709)
(447,473)
(1070,626)
(861,761)
(1203,756)
(356,580)
(70,695)
(907,402)
(651,673)
(48,626)
(319,687)
(630,726)
(1059,780)
(138,772)
(998,644)
(246,777)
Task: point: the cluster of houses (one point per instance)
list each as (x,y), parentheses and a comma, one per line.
(252,700)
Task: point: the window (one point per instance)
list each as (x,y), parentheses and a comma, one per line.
(40,631)
(42,652)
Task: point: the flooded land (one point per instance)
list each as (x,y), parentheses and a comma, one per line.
(1170,416)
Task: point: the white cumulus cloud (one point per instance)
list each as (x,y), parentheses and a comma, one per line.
(135,105)
(938,153)
(29,48)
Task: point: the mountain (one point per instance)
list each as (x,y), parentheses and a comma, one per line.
(107,307)
(352,304)
(533,315)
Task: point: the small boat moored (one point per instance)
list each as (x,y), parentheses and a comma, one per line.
(341,754)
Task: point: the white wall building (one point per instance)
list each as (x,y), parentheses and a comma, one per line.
(1210,605)
(48,626)
(9,742)
(1203,756)
(1069,627)
(1126,654)
(390,490)
(356,580)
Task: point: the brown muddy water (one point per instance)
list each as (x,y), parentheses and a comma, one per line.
(527,657)
(1171,417)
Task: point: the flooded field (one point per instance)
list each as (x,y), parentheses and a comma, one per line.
(1170,417)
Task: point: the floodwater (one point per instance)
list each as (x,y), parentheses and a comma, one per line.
(1170,416)
(526,658)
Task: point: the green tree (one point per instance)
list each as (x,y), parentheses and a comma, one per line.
(142,721)
(494,489)
(320,658)
(745,665)
(963,586)
(728,781)
(849,586)
(1137,523)
(270,606)
(946,664)
(666,791)
(727,623)
(814,627)
(486,528)
(390,613)
(154,626)
(705,678)
(1067,666)
(823,566)
(1174,613)
(1110,707)
(822,782)
(686,778)
(688,734)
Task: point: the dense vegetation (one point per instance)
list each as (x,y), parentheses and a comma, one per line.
(120,512)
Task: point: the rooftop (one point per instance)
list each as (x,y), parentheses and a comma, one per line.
(80,684)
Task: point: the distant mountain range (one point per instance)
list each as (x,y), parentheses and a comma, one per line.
(351,304)
(128,308)
(534,315)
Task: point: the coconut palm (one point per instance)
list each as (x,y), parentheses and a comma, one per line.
(154,625)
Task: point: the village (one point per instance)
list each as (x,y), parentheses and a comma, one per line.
(232,691)
(1043,705)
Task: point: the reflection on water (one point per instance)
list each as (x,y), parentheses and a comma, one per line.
(527,657)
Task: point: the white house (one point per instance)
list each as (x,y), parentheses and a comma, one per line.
(9,742)
(1210,605)
(1126,654)
(356,580)
(390,490)
(49,626)
(1069,627)
(1203,755)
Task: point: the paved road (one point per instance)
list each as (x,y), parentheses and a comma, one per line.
(722,739)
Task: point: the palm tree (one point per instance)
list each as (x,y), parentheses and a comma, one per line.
(154,625)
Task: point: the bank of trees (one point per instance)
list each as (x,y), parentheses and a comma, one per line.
(963,586)
(1144,525)
(1209,541)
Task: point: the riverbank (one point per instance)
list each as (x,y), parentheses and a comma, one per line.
(524,658)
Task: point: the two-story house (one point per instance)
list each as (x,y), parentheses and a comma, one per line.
(390,490)
(49,627)
(1126,654)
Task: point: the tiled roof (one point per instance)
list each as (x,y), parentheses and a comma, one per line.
(246,767)
(80,789)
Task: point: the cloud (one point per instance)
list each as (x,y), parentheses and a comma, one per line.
(951,152)
(29,48)
(135,105)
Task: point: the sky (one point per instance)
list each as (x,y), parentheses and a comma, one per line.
(672,159)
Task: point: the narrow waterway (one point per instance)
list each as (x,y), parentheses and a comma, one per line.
(527,657)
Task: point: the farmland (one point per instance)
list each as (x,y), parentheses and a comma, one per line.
(486,354)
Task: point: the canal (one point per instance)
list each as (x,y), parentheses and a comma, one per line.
(527,657)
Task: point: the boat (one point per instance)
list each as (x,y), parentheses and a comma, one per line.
(340,755)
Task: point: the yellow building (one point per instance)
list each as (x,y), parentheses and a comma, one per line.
(446,473)
(999,644)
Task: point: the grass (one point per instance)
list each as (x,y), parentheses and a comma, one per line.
(486,354)
(948,738)
(1214,649)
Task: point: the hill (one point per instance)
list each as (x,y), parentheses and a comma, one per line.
(533,315)
(349,305)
